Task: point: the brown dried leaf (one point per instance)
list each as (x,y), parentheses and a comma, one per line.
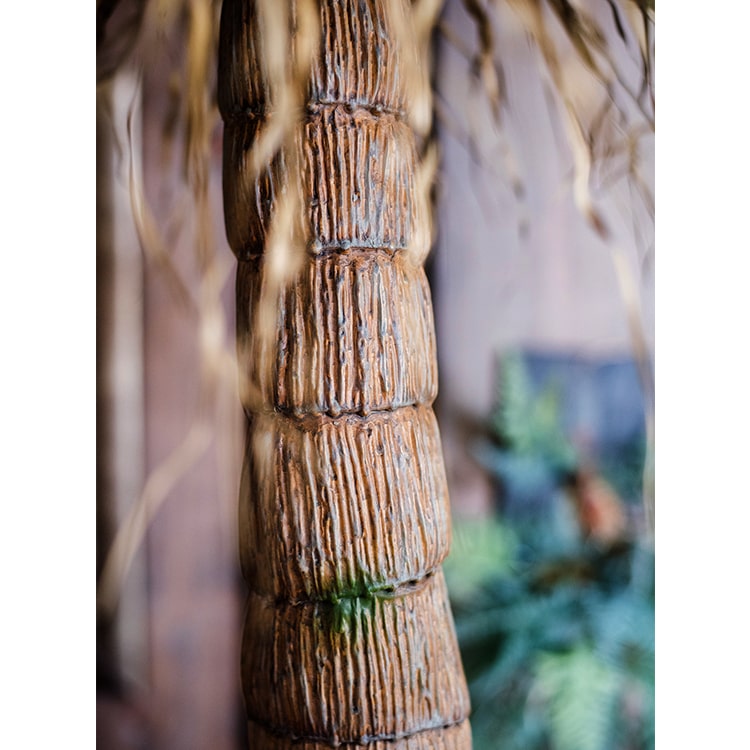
(149,236)
(484,59)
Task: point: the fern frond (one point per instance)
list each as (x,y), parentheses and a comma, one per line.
(580,690)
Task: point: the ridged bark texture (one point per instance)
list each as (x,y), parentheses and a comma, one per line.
(344,521)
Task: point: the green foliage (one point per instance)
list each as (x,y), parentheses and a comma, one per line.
(558,651)
(556,630)
(527,423)
(581,690)
(479,550)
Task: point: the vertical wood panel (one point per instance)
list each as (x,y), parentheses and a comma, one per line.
(195,616)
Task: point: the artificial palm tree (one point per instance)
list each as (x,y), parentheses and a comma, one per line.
(344,510)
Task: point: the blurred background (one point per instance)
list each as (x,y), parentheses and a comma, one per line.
(543,290)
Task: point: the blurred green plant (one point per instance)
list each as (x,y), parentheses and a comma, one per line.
(558,648)
(554,608)
(526,423)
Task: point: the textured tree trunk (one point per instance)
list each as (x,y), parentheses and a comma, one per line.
(344,517)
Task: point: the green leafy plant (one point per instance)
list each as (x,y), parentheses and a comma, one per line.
(525,423)
(555,617)
(558,649)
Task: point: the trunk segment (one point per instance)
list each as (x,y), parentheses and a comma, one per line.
(348,636)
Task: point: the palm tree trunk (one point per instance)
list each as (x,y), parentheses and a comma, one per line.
(344,517)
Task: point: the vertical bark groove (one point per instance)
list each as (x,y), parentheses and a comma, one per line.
(344,517)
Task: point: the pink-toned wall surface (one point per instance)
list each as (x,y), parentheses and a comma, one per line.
(551,287)
(193,583)
(177,634)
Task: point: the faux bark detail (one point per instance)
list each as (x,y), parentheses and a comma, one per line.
(344,516)
(357,65)
(354,334)
(352,504)
(358,668)
(357,183)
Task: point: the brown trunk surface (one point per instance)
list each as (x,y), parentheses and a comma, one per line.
(345,522)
